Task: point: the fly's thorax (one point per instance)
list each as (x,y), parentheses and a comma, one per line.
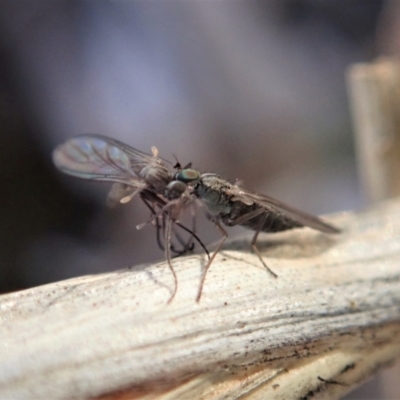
(212,182)
(157,176)
(210,190)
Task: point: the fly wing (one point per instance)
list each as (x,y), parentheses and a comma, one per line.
(282,208)
(100,158)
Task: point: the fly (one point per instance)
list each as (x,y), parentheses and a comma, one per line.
(233,205)
(167,194)
(132,172)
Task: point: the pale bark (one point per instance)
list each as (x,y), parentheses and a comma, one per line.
(329,320)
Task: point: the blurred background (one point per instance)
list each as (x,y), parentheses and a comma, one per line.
(253,90)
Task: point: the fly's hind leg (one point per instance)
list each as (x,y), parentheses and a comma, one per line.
(243,218)
(254,247)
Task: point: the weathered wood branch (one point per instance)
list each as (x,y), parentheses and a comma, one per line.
(329,320)
(374,94)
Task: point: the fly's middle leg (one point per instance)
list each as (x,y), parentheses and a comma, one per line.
(203,278)
(167,248)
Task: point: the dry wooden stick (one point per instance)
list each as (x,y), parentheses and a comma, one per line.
(374,90)
(329,320)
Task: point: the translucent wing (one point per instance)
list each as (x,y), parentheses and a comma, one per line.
(282,208)
(100,158)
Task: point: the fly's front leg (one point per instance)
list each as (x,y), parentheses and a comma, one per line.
(185,246)
(158,226)
(188,245)
(194,236)
(250,215)
(149,197)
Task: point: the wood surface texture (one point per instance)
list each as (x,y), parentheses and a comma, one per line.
(329,321)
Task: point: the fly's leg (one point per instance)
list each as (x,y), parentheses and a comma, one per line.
(187,245)
(254,247)
(243,218)
(195,237)
(251,215)
(190,243)
(165,209)
(192,234)
(167,241)
(203,278)
(160,227)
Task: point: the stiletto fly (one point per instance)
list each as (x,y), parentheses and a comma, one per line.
(167,194)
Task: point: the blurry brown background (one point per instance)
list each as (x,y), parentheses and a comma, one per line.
(251,90)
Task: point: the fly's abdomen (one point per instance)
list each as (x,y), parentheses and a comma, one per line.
(276,223)
(273,223)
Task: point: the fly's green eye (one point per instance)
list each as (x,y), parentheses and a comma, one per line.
(187,175)
(175,189)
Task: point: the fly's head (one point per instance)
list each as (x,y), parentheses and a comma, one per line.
(188,176)
(183,180)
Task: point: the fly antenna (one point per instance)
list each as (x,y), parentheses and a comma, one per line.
(177,165)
